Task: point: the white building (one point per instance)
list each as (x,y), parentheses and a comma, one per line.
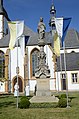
(28,63)
(72,63)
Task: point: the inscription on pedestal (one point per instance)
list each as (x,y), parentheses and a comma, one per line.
(43,84)
(43,87)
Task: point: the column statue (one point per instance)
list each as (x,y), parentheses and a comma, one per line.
(41,29)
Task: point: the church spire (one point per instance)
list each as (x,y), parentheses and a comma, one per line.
(1,3)
(53,10)
(1,6)
(53,16)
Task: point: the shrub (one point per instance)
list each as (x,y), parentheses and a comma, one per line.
(24,97)
(62,96)
(62,102)
(24,102)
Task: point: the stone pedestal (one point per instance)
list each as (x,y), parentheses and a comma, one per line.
(43,87)
(43,99)
(43,93)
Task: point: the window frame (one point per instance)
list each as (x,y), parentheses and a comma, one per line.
(31,67)
(2,64)
(62,76)
(75,78)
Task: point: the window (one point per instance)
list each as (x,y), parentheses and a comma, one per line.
(74,77)
(63,81)
(34,61)
(2,65)
(63,76)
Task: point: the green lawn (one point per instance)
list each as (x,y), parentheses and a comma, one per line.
(8,110)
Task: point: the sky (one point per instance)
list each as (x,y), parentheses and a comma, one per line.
(31,10)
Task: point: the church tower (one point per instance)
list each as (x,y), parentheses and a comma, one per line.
(4,52)
(3,20)
(52,17)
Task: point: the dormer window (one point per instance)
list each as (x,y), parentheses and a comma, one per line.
(73,52)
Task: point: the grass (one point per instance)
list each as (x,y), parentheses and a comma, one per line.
(8,110)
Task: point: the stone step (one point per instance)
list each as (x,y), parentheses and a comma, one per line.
(42,99)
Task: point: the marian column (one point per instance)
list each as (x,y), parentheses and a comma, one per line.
(42,72)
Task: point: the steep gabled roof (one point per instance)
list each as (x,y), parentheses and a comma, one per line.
(72,39)
(34,39)
(72,62)
(27,31)
(4,42)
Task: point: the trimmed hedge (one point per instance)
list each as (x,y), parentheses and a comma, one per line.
(43,105)
(62,96)
(62,102)
(24,103)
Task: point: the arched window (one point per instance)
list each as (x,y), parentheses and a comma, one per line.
(2,64)
(34,61)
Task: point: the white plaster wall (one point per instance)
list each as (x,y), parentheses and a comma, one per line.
(52,84)
(49,55)
(14,63)
(32,84)
(50,63)
(70,50)
(58,81)
(72,86)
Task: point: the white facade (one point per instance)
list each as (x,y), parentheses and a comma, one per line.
(72,86)
(55,79)
(55,84)
(14,62)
